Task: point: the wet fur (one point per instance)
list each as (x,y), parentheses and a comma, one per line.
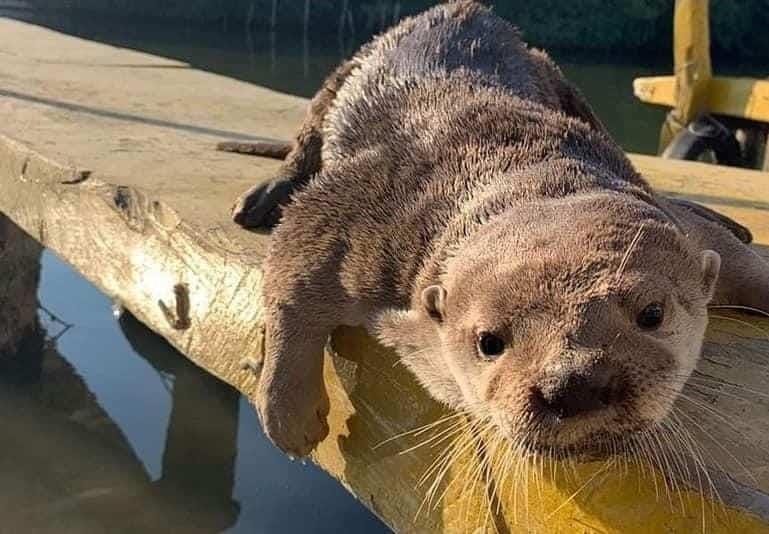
(449,179)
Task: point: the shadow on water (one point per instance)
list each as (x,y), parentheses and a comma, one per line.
(74,453)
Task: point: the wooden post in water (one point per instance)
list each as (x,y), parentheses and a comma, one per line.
(691,60)
(19,275)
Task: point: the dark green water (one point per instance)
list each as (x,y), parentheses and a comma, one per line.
(117,432)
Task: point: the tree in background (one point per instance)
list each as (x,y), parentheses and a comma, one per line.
(641,27)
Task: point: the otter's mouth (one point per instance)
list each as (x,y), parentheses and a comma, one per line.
(597,445)
(588,437)
(601,428)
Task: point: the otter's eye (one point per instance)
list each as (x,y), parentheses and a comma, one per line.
(651,316)
(490,345)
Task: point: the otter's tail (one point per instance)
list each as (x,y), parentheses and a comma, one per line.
(266,149)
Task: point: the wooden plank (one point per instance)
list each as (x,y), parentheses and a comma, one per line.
(151,214)
(746,98)
(691,64)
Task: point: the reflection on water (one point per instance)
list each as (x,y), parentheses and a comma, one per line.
(106,428)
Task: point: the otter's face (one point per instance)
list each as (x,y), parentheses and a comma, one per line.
(564,348)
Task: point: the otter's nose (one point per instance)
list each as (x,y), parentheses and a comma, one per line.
(579,393)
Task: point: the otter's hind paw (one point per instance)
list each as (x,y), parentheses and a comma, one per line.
(739,231)
(260,206)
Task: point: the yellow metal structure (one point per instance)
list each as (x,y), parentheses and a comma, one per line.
(736,97)
(691,62)
(693,89)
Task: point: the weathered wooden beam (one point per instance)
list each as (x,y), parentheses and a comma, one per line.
(746,98)
(691,65)
(109,162)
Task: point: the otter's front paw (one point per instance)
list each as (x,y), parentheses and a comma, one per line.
(295,423)
(260,206)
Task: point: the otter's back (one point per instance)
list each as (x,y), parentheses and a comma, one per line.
(461,40)
(462,37)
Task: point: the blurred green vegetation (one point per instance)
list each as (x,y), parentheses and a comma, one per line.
(612,27)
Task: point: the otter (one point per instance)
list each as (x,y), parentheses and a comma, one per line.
(454,194)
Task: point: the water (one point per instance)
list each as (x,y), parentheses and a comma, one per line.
(121,433)
(108,428)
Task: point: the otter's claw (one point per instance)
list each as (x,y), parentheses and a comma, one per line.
(260,206)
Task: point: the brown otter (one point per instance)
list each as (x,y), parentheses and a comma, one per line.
(454,194)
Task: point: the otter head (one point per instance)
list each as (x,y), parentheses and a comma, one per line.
(568,325)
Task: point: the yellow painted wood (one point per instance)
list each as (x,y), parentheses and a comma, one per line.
(160,192)
(691,63)
(746,98)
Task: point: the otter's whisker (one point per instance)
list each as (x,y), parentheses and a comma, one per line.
(526,469)
(631,247)
(481,450)
(696,455)
(661,451)
(711,409)
(701,380)
(553,467)
(472,470)
(445,454)
(737,307)
(540,461)
(445,457)
(674,468)
(470,441)
(421,429)
(699,458)
(505,468)
(696,447)
(491,471)
(636,458)
(757,328)
(721,415)
(402,359)
(442,436)
(652,460)
(607,465)
(717,442)
(470,482)
(669,438)
(675,434)
(520,457)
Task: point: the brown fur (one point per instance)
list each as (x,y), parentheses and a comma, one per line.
(463,186)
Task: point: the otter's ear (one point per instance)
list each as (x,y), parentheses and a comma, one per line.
(711,265)
(434,302)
